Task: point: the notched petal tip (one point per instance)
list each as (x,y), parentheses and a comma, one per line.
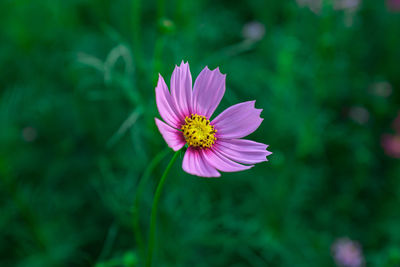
(183,64)
(223,163)
(267,153)
(218,71)
(160,79)
(208,91)
(243,151)
(238,120)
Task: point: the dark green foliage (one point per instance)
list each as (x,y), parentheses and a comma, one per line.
(77,133)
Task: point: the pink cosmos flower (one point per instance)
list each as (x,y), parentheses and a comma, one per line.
(213,145)
(347,253)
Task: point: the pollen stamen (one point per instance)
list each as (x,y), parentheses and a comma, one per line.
(198,131)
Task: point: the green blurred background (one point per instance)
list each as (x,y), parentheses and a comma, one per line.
(77,132)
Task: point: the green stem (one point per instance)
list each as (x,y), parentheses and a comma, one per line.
(153,219)
(136,207)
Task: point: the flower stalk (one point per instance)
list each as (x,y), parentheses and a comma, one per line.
(153,219)
(138,196)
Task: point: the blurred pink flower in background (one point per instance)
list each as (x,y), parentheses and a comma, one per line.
(382,89)
(346,4)
(393,5)
(359,114)
(29,134)
(349,7)
(316,5)
(253,31)
(347,253)
(391,143)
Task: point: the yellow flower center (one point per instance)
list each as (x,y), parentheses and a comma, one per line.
(198,131)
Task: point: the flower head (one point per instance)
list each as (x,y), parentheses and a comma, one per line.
(347,253)
(213,145)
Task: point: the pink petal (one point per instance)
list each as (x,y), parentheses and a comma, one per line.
(173,137)
(222,163)
(194,163)
(181,89)
(209,88)
(238,121)
(242,151)
(165,104)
